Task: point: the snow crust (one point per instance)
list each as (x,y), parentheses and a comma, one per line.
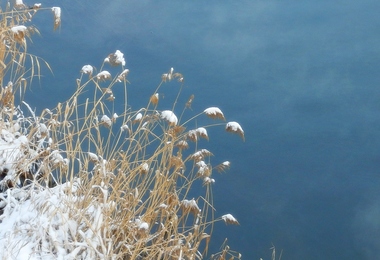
(116,59)
(169,116)
(87,69)
(214,112)
(18,29)
(229,219)
(103,75)
(41,224)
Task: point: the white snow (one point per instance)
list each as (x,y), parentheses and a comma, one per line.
(19,28)
(93,157)
(208,180)
(19,3)
(192,135)
(114,116)
(38,225)
(144,167)
(226,163)
(124,128)
(214,112)
(190,205)
(229,219)
(115,59)
(199,155)
(144,226)
(234,127)
(106,121)
(103,75)
(87,69)
(57,15)
(122,75)
(11,150)
(57,11)
(182,144)
(203,168)
(169,116)
(202,132)
(138,117)
(57,158)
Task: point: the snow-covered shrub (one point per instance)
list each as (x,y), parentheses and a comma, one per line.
(86,180)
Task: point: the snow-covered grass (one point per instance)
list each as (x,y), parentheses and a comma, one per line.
(84,181)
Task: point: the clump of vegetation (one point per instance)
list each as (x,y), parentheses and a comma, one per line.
(80,181)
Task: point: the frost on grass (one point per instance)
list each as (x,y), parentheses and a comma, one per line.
(124,128)
(234,127)
(144,168)
(171,75)
(106,121)
(48,226)
(19,32)
(122,76)
(93,157)
(203,169)
(200,155)
(115,59)
(208,181)
(19,3)
(182,144)
(87,69)
(202,132)
(19,29)
(169,116)
(114,117)
(57,16)
(229,219)
(37,6)
(223,166)
(138,118)
(190,206)
(12,148)
(214,112)
(103,75)
(193,135)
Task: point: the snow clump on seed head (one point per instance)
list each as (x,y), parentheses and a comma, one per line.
(115,59)
(169,116)
(234,127)
(214,112)
(87,69)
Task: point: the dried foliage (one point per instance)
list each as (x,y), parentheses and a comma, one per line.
(154,99)
(101,184)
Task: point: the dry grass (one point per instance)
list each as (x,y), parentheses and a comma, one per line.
(125,178)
